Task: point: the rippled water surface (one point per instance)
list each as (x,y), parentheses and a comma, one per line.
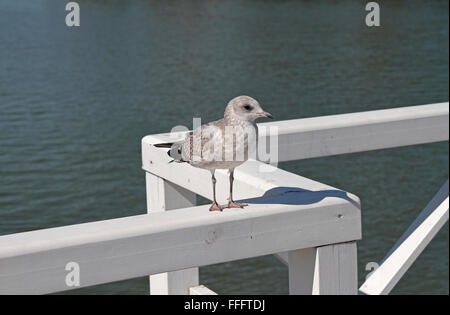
(75,103)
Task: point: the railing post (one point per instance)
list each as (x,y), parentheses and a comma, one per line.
(301,264)
(330,269)
(163,195)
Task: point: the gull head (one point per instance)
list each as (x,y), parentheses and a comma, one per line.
(245,108)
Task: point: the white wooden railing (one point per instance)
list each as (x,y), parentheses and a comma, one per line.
(309,225)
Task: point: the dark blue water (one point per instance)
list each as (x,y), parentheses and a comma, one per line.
(75,103)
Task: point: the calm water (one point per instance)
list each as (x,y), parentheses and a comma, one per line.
(75,103)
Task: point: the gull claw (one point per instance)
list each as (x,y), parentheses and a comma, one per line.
(232,204)
(216,207)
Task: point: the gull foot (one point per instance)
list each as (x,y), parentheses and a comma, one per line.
(216,207)
(232,204)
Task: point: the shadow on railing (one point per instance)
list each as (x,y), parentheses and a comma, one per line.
(300,196)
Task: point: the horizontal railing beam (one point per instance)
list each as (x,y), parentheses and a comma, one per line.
(356,132)
(359,132)
(106,251)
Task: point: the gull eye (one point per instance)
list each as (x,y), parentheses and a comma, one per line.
(248,107)
(179,150)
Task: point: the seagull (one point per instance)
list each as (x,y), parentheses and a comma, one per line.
(222,144)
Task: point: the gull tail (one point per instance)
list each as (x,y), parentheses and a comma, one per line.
(164,145)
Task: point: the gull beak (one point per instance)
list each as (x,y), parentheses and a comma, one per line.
(266,114)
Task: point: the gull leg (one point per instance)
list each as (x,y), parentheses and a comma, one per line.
(231,203)
(215,206)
